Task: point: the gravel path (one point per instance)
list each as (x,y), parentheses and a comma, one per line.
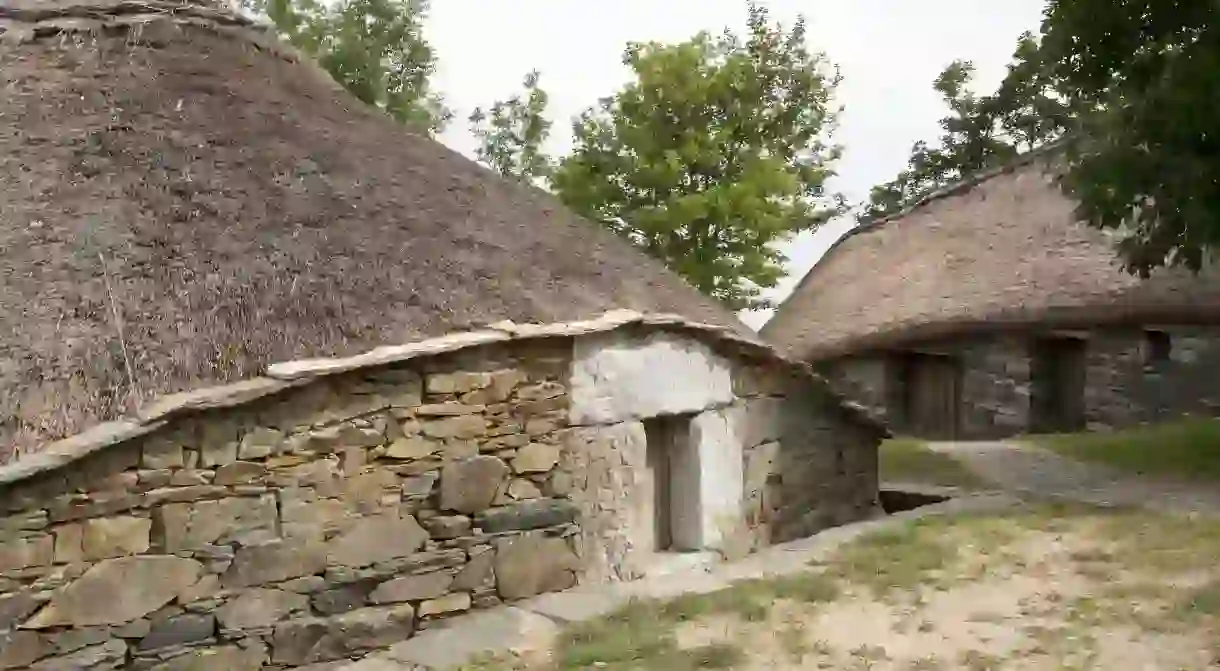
(1038,473)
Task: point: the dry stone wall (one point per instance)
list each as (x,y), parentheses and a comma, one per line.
(1125,383)
(618,381)
(327,520)
(808,462)
(1128,384)
(338,506)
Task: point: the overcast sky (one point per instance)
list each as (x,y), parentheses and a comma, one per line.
(889,51)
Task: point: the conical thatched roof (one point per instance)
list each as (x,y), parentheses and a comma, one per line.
(182,203)
(1002,250)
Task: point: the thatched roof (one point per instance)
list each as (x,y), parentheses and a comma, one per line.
(999,251)
(182,202)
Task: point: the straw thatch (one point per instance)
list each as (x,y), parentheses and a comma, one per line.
(182,202)
(1001,251)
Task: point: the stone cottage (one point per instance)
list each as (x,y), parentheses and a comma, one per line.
(281,383)
(985,311)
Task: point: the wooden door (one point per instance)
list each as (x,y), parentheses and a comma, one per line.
(934,388)
(1057,381)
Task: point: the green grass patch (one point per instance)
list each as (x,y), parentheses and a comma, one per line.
(1187,449)
(895,559)
(641,635)
(907,460)
(1203,600)
(1164,544)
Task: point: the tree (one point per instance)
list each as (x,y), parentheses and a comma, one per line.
(1127,87)
(512,133)
(970,141)
(374,48)
(1028,105)
(1144,155)
(715,152)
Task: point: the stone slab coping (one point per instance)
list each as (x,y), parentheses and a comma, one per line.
(533,624)
(282,376)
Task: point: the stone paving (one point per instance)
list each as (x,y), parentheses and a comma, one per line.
(1033,472)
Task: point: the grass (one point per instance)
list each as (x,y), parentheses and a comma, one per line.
(907,460)
(1147,572)
(1187,449)
(641,635)
(896,559)
(1204,600)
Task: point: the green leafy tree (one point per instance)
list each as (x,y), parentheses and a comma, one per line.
(970,141)
(1128,87)
(512,132)
(1144,154)
(717,150)
(1028,105)
(374,48)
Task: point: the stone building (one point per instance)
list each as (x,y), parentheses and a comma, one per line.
(984,311)
(282,383)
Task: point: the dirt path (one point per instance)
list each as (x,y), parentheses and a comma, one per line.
(1038,473)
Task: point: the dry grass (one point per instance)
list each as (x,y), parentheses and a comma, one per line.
(642,635)
(1187,449)
(909,460)
(1052,587)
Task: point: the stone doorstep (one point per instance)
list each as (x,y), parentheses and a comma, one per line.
(534,622)
(662,564)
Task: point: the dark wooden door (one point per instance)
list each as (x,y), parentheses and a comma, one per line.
(934,387)
(1057,381)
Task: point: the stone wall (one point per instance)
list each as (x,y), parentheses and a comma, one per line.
(804,470)
(754,429)
(1124,384)
(994,384)
(1127,385)
(329,519)
(865,379)
(291,522)
(618,381)
(621,379)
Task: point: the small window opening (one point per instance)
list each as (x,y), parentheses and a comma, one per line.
(1158,347)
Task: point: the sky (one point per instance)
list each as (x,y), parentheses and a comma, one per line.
(888,52)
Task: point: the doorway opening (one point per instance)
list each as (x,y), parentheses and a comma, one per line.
(670,504)
(1057,381)
(929,394)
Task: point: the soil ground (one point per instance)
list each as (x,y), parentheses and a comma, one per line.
(1123,578)
(1049,587)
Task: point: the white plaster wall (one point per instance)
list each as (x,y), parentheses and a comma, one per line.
(616,378)
(715,437)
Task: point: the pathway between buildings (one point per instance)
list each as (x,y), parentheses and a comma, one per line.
(1033,472)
